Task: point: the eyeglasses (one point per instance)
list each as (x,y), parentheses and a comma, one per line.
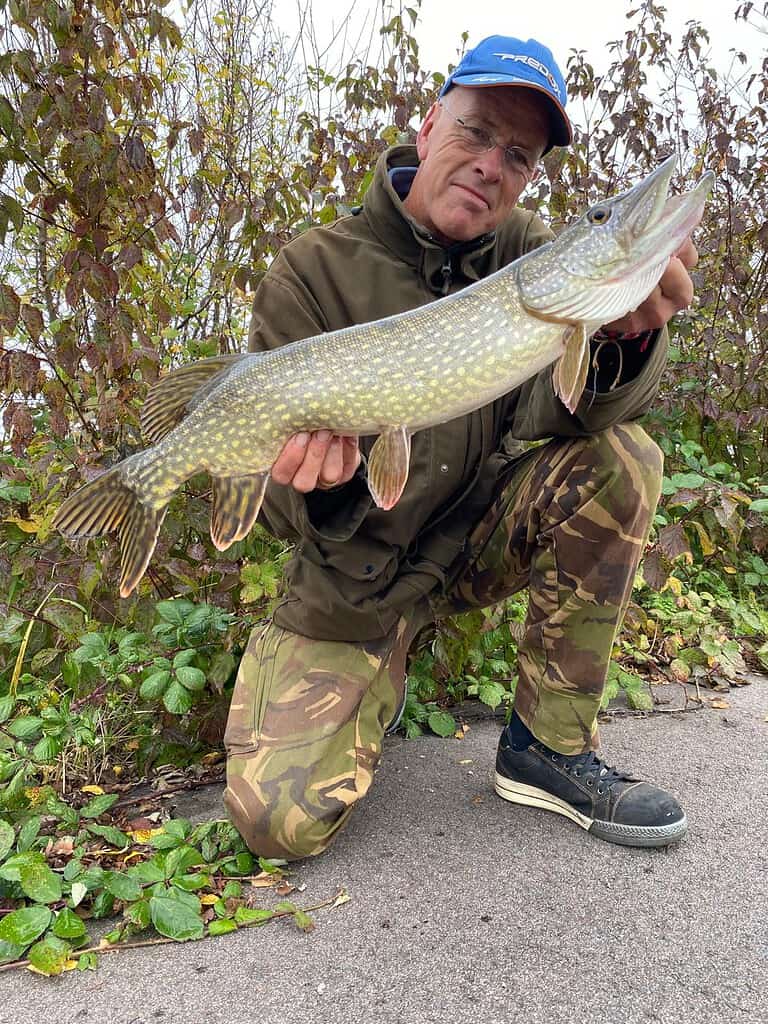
(478,140)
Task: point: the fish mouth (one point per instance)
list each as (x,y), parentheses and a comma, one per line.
(610,261)
(653,224)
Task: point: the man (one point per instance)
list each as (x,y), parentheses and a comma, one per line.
(319,686)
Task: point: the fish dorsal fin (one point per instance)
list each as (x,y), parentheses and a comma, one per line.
(388,466)
(569,376)
(236,503)
(168,400)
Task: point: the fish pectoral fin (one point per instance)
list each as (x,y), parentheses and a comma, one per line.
(388,466)
(569,377)
(236,503)
(171,398)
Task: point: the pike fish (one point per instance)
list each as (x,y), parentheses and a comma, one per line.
(231,415)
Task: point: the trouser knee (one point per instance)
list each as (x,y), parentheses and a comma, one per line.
(630,466)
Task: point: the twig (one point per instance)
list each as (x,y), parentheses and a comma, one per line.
(165,941)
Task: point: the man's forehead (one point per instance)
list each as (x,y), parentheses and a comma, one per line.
(499,103)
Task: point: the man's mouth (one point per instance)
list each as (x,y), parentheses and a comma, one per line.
(476,195)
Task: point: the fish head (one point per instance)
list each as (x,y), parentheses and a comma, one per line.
(608,262)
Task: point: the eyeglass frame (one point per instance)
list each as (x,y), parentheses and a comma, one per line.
(529,173)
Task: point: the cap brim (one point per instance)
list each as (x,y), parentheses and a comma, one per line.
(561,133)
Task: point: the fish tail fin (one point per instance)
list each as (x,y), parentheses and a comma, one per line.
(236,503)
(109,504)
(172,397)
(569,376)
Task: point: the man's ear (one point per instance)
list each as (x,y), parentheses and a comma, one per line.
(422,139)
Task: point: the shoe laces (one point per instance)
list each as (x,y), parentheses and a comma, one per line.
(592,768)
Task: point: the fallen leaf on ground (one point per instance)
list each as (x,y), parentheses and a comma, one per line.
(719,704)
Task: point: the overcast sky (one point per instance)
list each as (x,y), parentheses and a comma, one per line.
(561,24)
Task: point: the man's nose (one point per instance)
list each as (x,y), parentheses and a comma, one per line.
(490,164)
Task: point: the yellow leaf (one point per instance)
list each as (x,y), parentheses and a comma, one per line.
(96,790)
(730,570)
(209,899)
(707,547)
(673,584)
(27,525)
(117,769)
(719,704)
(144,835)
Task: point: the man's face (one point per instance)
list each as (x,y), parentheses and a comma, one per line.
(458,194)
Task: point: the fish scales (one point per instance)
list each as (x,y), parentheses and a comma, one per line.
(231,415)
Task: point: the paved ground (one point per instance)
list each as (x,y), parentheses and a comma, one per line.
(468,909)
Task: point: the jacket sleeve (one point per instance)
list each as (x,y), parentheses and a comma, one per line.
(285,310)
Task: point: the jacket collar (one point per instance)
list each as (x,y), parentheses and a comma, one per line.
(410,241)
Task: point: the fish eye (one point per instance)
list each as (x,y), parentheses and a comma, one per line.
(599,215)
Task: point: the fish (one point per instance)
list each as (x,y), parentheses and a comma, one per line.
(231,415)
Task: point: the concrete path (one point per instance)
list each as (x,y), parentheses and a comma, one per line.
(467,909)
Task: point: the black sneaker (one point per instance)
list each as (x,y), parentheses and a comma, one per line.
(394,724)
(607,803)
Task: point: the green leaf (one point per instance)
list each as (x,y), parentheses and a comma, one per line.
(46,749)
(7,705)
(442,723)
(99,805)
(68,925)
(689,481)
(87,962)
(184,658)
(9,951)
(26,727)
(7,838)
(491,694)
(175,612)
(190,882)
(138,914)
(179,859)
(177,699)
(759,505)
(178,827)
(222,925)
(252,915)
(103,905)
(154,686)
(21,927)
(40,883)
(11,869)
(175,920)
(28,834)
(303,921)
(50,955)
(191,678)
(112,835)
(122,886)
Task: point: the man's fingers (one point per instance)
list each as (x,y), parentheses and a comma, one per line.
(306,476)
(676,288)
(290,458)
(332,465)
(688,254)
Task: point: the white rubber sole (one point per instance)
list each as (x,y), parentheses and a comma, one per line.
(612,832)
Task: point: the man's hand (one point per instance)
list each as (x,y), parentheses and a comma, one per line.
(673,293)
(321,459)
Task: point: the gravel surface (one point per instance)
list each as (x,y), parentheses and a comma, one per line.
(465,908)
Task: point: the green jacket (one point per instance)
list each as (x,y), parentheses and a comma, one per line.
(357,568)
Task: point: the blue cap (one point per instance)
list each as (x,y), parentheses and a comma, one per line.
(502,60)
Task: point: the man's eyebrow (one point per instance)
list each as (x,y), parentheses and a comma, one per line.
(493,127)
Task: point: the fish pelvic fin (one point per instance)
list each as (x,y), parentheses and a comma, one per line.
(569,377)
(108,504)
(388,466)
(236,504)
(172,397)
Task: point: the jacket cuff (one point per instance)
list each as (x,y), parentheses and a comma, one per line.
(631,398)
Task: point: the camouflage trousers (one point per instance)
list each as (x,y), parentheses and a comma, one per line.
(307,719)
